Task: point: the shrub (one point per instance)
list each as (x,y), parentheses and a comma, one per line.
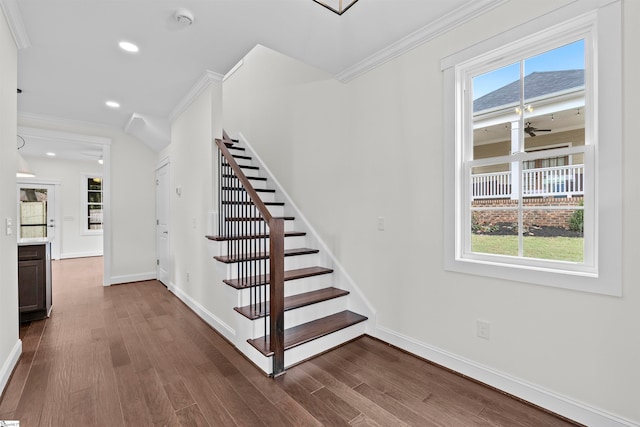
(576,222)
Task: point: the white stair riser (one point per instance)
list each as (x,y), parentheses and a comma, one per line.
(291,287)
(243,162)
(251,211)
(241,194)
(289,243)
(321,345)
(301,315)
(305,351)
(237,228)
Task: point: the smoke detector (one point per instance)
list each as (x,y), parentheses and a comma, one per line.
(184,17)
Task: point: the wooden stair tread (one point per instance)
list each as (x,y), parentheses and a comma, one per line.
(257,218)
(226,202)
(294,301)
(255,178)
(245,166)
(309,331)
(238,156)
(254,236)
(258,190)
(299,273)
(264,255)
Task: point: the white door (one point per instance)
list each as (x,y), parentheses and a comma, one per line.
(37,214)
(163,269)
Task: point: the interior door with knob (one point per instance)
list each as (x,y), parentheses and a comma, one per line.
(37,213)
(163,258)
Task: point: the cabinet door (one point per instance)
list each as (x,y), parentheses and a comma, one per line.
(31,285)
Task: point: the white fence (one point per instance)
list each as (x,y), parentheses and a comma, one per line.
(543,182)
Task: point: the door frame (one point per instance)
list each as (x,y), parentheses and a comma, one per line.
(162,164)
(105,144)
(50,185)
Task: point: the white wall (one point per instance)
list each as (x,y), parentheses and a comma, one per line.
(195,276)
(132,166)
(373,147)
(70,174)
(10,345)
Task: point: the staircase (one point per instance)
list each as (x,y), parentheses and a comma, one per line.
(288,309)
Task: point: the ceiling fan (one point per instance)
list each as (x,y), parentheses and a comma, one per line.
(532,131)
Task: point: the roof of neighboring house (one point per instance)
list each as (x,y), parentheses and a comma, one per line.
(535,84)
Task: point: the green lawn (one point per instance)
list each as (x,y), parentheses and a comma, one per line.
(556,248)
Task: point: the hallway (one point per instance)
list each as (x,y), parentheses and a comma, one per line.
(135,355)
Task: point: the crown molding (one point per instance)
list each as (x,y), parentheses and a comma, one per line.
(52,120)
(205,80)
(16,24)
(54,135)
(448,22)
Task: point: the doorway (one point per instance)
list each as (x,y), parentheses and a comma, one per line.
(38,214)
(163,206)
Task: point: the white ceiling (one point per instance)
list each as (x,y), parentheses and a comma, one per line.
(70,63)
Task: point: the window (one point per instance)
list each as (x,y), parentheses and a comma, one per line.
(92,206)
(533,150)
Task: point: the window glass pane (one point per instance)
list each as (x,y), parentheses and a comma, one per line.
(497,89)
(554,234)
(554,101)
(494,232)
(33,213)
(491,138)
(94,203)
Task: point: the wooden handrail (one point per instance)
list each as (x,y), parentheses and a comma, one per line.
(276,260)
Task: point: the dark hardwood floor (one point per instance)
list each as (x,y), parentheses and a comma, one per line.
(134,355)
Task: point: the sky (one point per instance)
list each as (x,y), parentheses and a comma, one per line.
(568,57)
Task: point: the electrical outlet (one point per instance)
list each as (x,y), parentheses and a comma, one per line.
(380,223)
(484,329)
(188,277)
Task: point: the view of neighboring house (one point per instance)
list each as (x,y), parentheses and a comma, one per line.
(542,112)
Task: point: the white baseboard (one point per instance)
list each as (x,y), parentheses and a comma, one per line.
(532,393)
(9,365)
(139,277)
(212,320)
(68,255)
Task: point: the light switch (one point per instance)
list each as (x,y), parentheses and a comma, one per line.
(9,223)
(380,223)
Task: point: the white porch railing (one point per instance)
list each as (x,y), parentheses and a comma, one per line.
(542,182)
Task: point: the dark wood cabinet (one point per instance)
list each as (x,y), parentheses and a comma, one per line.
(34,280)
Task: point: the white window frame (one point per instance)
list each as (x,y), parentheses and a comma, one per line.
(84,202)
(599,23)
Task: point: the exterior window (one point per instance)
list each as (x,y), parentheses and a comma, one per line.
(93,204)
(533,150)
(532,207)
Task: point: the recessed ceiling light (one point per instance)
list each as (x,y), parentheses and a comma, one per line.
(128,46)
(112,104)
(50,154)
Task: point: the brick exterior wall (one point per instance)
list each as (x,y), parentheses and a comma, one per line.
(540,217)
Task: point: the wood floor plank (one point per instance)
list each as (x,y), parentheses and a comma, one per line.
(239,410)
(191,416)
(375,414)
(30,335)
(393,406)
(132,401)
(297,385)
(135,355)
(296,413)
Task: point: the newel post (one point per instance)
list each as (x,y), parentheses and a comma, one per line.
(276,293)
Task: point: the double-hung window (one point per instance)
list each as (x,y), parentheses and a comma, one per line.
(533,152)
(92,204)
